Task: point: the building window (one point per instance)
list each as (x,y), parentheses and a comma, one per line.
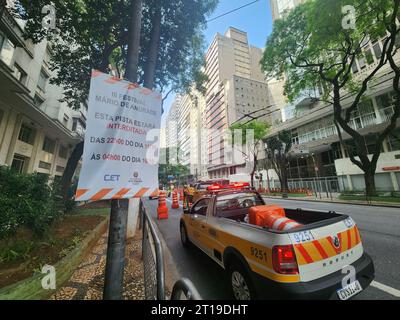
(19,163)
(44,165)
(377,50)
(49,145)
(65,120)
(26,134)
(42,82)
(20,74)
(38,101)
(7,49)
(60,169)
(63,153)
(362,63)
(394,140)
(354,67)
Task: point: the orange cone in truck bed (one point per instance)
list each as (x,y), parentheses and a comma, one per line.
(272,217)
(258,214)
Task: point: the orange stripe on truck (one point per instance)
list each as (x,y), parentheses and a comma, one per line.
(357,235)
(320,249)
(304,253)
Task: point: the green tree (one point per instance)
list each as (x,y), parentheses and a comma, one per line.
(259,131)
(101,34)
(170,165)
(277,150)
(314,48)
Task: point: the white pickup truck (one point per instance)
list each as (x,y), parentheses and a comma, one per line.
(273,252)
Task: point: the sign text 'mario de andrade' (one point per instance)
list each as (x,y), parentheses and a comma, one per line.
(121,140)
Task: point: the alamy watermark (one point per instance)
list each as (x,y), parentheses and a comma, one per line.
(349,19)
(49,20)
(49,280)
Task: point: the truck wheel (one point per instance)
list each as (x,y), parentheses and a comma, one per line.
(184,237)
(241,285)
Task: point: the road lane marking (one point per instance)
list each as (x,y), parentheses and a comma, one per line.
(387,289)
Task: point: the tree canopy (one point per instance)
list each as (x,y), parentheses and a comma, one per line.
(93,34)
(251,141)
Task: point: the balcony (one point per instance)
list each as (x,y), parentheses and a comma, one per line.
(356,123)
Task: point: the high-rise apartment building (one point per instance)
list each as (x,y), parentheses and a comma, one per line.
(236,88)
(184,132)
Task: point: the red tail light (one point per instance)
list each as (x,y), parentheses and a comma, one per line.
(284,260)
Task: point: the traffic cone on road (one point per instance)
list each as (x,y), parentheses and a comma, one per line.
(162,210)
(175,203)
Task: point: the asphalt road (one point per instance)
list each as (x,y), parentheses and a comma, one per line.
(379,228)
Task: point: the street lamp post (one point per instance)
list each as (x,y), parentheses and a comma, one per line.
(317,175)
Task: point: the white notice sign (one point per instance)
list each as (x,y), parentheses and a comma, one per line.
(121,140)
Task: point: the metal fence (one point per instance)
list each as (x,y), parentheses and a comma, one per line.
(153,260)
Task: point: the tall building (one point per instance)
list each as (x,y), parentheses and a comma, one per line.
(184,131)
(236,88)
(280,7)
(37,131)
(171,124)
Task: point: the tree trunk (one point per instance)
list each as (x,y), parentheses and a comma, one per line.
(283,177)
(151,63)
(253,171)
(134,41)
(70,169)
(369,178)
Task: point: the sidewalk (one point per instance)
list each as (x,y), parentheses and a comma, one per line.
(335,199)
(86,283)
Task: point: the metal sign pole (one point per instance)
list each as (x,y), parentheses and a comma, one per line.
(115,263)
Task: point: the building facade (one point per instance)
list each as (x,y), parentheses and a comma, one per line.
(184,131)
(37,131)
(236,89)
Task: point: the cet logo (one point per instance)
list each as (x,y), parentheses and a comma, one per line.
(135,180)
(336,242)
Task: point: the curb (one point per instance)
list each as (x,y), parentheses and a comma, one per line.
(338,202)
(172,275)
(31,288)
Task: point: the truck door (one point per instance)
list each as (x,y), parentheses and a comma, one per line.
(197,223)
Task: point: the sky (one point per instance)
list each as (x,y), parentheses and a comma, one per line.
(254,19)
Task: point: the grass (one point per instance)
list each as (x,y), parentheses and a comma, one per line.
(23,254)
(363,198)
(290,195)
(91,212)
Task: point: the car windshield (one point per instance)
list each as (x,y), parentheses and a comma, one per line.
(236,205)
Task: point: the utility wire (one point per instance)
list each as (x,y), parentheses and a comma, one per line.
(226,13)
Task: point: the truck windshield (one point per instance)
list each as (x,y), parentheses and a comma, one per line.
(236,205)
